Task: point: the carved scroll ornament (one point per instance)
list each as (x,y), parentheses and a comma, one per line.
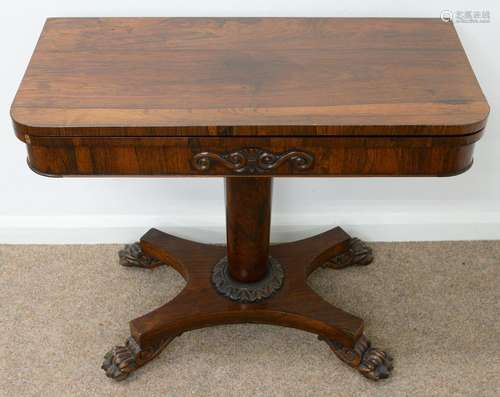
(253,160)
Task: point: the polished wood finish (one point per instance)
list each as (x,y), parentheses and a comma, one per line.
(334,156)
(248,225)
(149,96)
(199,305)
(248,76)
(249,99)
(295,305)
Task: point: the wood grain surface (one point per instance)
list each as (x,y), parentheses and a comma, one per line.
(200,305)
(254,97)
(248,76)
(332,156)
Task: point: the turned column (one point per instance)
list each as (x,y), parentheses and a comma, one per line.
(248,222)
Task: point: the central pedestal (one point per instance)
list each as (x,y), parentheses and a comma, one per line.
(248,274)
(248,226)
(249,282)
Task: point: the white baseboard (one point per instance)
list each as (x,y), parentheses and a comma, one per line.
(380,226)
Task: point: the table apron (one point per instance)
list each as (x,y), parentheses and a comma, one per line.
(238,156)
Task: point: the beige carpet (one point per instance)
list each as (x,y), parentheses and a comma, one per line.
(434,306)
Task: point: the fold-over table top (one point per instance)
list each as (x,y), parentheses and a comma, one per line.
(248,76)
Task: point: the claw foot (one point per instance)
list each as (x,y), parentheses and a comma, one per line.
(120,361)
(131,255)
(371,362)
(357,254)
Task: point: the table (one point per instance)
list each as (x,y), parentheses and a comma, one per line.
(249,99)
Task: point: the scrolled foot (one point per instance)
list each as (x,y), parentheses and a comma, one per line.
(357,254)
(120,361)
(132,256)
(371,362)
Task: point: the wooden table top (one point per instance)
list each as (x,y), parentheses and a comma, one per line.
(248,77)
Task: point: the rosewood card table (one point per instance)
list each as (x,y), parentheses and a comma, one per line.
(249,99)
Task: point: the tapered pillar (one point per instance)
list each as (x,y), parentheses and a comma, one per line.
(248,221)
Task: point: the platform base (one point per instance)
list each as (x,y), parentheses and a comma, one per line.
(294,304)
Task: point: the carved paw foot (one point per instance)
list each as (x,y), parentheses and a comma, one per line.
(376,364)
(120,361)
(131,255)
(371,362)
(357,254)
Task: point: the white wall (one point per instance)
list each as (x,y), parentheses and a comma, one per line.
(37,209)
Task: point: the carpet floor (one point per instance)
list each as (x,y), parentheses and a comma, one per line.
(434,306)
